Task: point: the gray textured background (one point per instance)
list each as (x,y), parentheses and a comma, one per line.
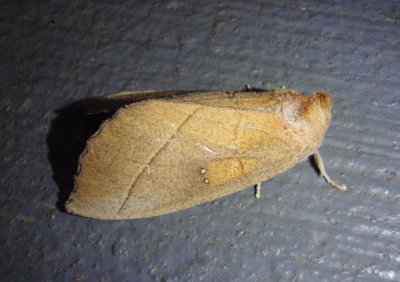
(57,52)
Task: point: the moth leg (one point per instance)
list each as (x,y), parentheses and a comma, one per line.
(320,164)
(258,190)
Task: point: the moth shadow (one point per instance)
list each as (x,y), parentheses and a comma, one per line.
(66,140)
(314,165)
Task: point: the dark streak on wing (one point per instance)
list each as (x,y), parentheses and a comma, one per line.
(111,103)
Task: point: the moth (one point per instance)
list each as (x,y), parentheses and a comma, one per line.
(165,151)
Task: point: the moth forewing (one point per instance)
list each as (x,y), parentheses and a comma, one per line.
(162,155)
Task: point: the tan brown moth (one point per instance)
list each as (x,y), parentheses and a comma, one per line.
(170,150)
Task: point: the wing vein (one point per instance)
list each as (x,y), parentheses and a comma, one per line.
(128,195)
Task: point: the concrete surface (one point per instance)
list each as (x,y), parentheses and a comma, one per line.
(54,53)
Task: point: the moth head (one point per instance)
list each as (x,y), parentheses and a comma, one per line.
(323,106)
(316,108)
(325,100)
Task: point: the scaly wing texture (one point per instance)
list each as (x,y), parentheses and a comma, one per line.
(160,156)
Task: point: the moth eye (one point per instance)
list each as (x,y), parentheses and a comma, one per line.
(202,170)
(206,181)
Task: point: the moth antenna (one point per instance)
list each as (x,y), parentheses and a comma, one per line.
(258,190)
(320,164)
